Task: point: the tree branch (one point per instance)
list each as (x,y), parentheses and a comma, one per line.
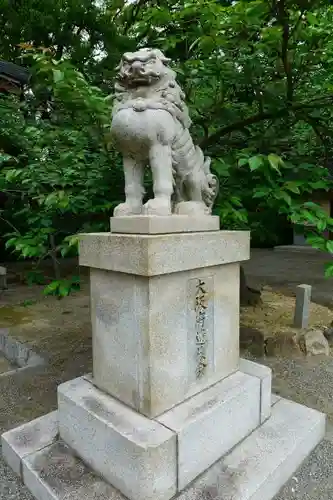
(284,20)
(298,22)
(136,7)
(315,124)
(272,115)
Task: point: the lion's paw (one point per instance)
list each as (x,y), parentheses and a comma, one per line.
(157,206)
(127,209)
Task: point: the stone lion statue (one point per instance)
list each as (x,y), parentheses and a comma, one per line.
(150,126)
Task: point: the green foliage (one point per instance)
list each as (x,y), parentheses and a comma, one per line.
(258,77)
(60,178)
(62,288)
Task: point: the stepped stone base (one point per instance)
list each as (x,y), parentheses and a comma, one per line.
(255,469)
(157,458)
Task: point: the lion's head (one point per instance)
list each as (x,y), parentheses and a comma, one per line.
(145,74)
(145,67)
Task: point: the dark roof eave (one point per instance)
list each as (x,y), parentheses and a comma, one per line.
(14,72)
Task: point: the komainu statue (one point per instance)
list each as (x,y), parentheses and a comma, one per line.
(150,126)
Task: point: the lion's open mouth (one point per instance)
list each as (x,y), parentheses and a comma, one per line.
(134,78)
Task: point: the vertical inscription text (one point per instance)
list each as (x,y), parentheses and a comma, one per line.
(201,304)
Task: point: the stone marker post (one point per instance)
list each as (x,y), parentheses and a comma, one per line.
(3,278)
(169,395)
(302,306)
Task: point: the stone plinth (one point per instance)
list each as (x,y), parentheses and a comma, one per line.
(165,313)
(135,454)
(255,469)
(154,459)
(155,255)
(171,411)
(137,224)
(211,423)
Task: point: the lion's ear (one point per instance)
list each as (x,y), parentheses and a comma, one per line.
(166,61)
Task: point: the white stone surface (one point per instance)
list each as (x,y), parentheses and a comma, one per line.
(28,438)
(152,255)
(146,224)
(209,424)
(150,125)
(55,473)
(145,313)
(264,373)
(255,469)
(144,334)
(133,453)
(275,399)
(259,466)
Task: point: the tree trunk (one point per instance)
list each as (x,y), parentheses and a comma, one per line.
(56,265)
(248,296)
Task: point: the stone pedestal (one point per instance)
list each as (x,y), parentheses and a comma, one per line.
(169,396)
(165,313)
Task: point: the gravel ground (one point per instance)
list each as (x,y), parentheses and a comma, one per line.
(11,487)
(314,480)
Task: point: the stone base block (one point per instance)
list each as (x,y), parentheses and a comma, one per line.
(265,376)
(255,469)
(150,224)
(155,255)
(172,450)
(211,423)
(29,438)
(135,454)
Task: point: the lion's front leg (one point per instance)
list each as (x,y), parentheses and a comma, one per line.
(161,165)
(134,190)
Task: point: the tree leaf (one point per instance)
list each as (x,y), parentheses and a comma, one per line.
(292,186)
(256,162)
(329,246)
(52,287)
(261,193)
(316,242)
(329,270)
(282,195)
(243,161)
(275,161)
(58,75)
